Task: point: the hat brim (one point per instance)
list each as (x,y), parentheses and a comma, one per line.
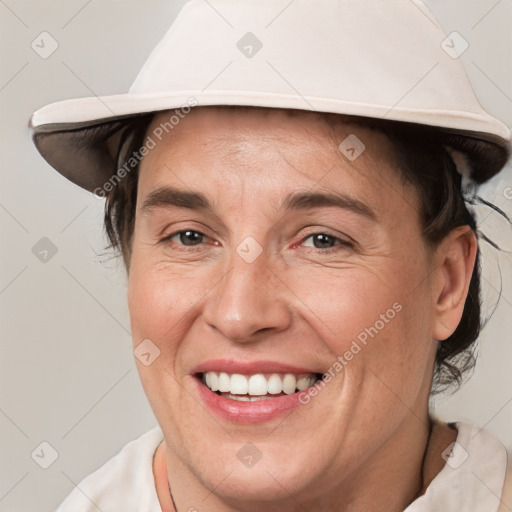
(73,135)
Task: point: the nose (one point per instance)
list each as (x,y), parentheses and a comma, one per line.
(249,300)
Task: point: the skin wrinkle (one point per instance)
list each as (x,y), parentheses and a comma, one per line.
(370,422)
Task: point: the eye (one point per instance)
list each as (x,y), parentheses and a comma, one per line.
(324,241)
(186,237)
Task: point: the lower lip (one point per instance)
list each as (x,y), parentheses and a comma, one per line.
(247,412)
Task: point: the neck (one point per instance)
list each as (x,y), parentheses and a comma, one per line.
(391,480)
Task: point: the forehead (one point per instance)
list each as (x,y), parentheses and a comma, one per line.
(247,161)
(269,152)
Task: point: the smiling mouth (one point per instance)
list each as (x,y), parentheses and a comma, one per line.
(260,386)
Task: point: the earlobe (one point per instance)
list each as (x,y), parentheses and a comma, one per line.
(456,258)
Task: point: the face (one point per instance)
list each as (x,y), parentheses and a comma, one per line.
(263,257)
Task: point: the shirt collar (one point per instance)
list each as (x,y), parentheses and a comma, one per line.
(472,478)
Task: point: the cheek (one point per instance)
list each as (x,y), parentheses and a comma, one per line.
(373,322)
(349,304)
(162,305)
(161,299)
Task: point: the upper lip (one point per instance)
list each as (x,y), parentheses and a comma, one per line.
(249,367)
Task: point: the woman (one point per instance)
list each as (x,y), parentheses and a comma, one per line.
(302,268)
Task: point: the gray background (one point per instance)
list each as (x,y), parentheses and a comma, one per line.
(67,374)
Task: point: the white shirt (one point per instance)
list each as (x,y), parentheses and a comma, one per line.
(471,480)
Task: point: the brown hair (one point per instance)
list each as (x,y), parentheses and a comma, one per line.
(423,161)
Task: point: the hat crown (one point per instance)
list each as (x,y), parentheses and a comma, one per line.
(381,52)
(384,59)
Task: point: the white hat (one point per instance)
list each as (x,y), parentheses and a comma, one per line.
(385,59)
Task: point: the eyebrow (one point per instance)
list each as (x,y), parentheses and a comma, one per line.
(308,200)
(169,196)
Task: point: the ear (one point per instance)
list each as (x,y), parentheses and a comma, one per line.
(455,260)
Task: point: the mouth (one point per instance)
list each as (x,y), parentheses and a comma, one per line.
(258,386)
(252,392)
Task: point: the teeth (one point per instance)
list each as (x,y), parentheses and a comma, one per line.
(289,383)
(303,383)
(238,385)
(274,384)
(224,382)
(246,398)
(258,385)
(214,381)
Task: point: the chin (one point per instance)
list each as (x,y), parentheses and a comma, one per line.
(280,472)
(264,483)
